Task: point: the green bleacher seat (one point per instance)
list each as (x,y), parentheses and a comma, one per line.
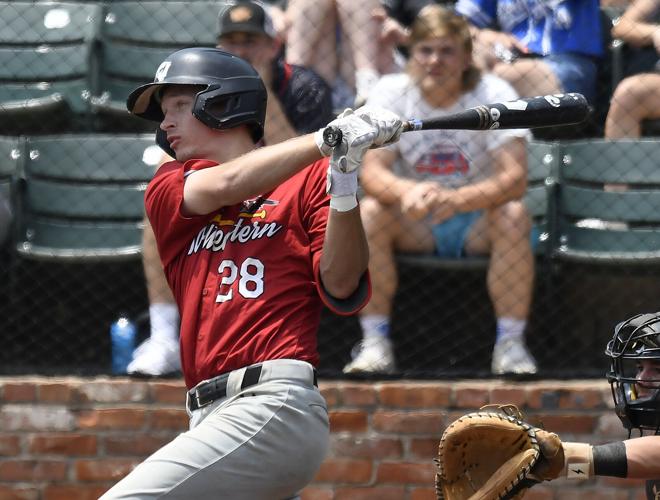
(136,36)
(10,155)
(608,208)
(45,57)
(82,196)
(539,197)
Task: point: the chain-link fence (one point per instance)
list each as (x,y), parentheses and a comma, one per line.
(74,166)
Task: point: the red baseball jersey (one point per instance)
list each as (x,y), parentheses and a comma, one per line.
(246,277)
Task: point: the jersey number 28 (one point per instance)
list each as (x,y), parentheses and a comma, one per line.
(250,282)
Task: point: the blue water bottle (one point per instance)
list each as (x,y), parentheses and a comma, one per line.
(122,336)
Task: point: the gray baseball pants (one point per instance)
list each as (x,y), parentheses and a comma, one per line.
(263,442)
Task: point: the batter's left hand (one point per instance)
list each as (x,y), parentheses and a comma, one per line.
(358,135)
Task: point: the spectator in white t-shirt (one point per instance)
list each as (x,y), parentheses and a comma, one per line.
(452,193)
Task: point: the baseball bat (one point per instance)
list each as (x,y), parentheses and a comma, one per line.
(531,112)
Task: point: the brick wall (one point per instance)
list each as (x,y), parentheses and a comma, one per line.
(71,438)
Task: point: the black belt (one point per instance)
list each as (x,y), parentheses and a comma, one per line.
(216,388)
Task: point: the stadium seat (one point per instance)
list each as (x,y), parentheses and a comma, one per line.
(136,36)
(45,57)
(10,154)
(539,198)
(82,196)
(608,208)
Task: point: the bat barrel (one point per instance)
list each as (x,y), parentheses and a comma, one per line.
(538,112)
(534,112)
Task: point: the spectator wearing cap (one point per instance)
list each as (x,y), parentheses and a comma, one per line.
(299,102)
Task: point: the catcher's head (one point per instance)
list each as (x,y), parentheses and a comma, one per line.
(231,92)
(634,374)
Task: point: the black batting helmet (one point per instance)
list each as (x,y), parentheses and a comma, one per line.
(635,339)
(233,93)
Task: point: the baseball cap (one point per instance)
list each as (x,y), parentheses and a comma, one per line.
(246,17)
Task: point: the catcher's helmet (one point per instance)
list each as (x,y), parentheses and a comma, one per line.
(233,93)
(636,400)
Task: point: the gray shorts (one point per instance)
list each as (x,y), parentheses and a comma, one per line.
(264,442)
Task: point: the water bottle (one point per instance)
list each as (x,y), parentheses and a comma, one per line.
(122,335)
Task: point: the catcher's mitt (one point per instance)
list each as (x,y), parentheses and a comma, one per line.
(493,454)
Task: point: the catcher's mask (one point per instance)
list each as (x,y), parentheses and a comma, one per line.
(636,343)
(232,92)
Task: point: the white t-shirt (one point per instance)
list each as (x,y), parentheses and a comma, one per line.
(453,158)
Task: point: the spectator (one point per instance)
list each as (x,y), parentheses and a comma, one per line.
(299,102)
(454,193)
(636,98)
(340,40)
(541,47)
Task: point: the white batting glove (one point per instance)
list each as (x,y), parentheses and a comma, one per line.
(357,136)
(342,188)
(342,177)
(388,124)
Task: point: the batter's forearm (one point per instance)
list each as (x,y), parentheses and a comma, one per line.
(345,255)
(249,175)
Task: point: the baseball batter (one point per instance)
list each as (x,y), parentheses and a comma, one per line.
(252,247)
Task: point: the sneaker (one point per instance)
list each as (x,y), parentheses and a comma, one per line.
(511,356)
(372,355)
(154,358)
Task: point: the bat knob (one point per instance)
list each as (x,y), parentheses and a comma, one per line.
(332,136)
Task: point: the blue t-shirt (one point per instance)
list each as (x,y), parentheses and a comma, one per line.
(544,26)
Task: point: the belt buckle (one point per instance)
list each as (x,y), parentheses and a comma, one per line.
(198,400)
(206,391)
(196,396)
